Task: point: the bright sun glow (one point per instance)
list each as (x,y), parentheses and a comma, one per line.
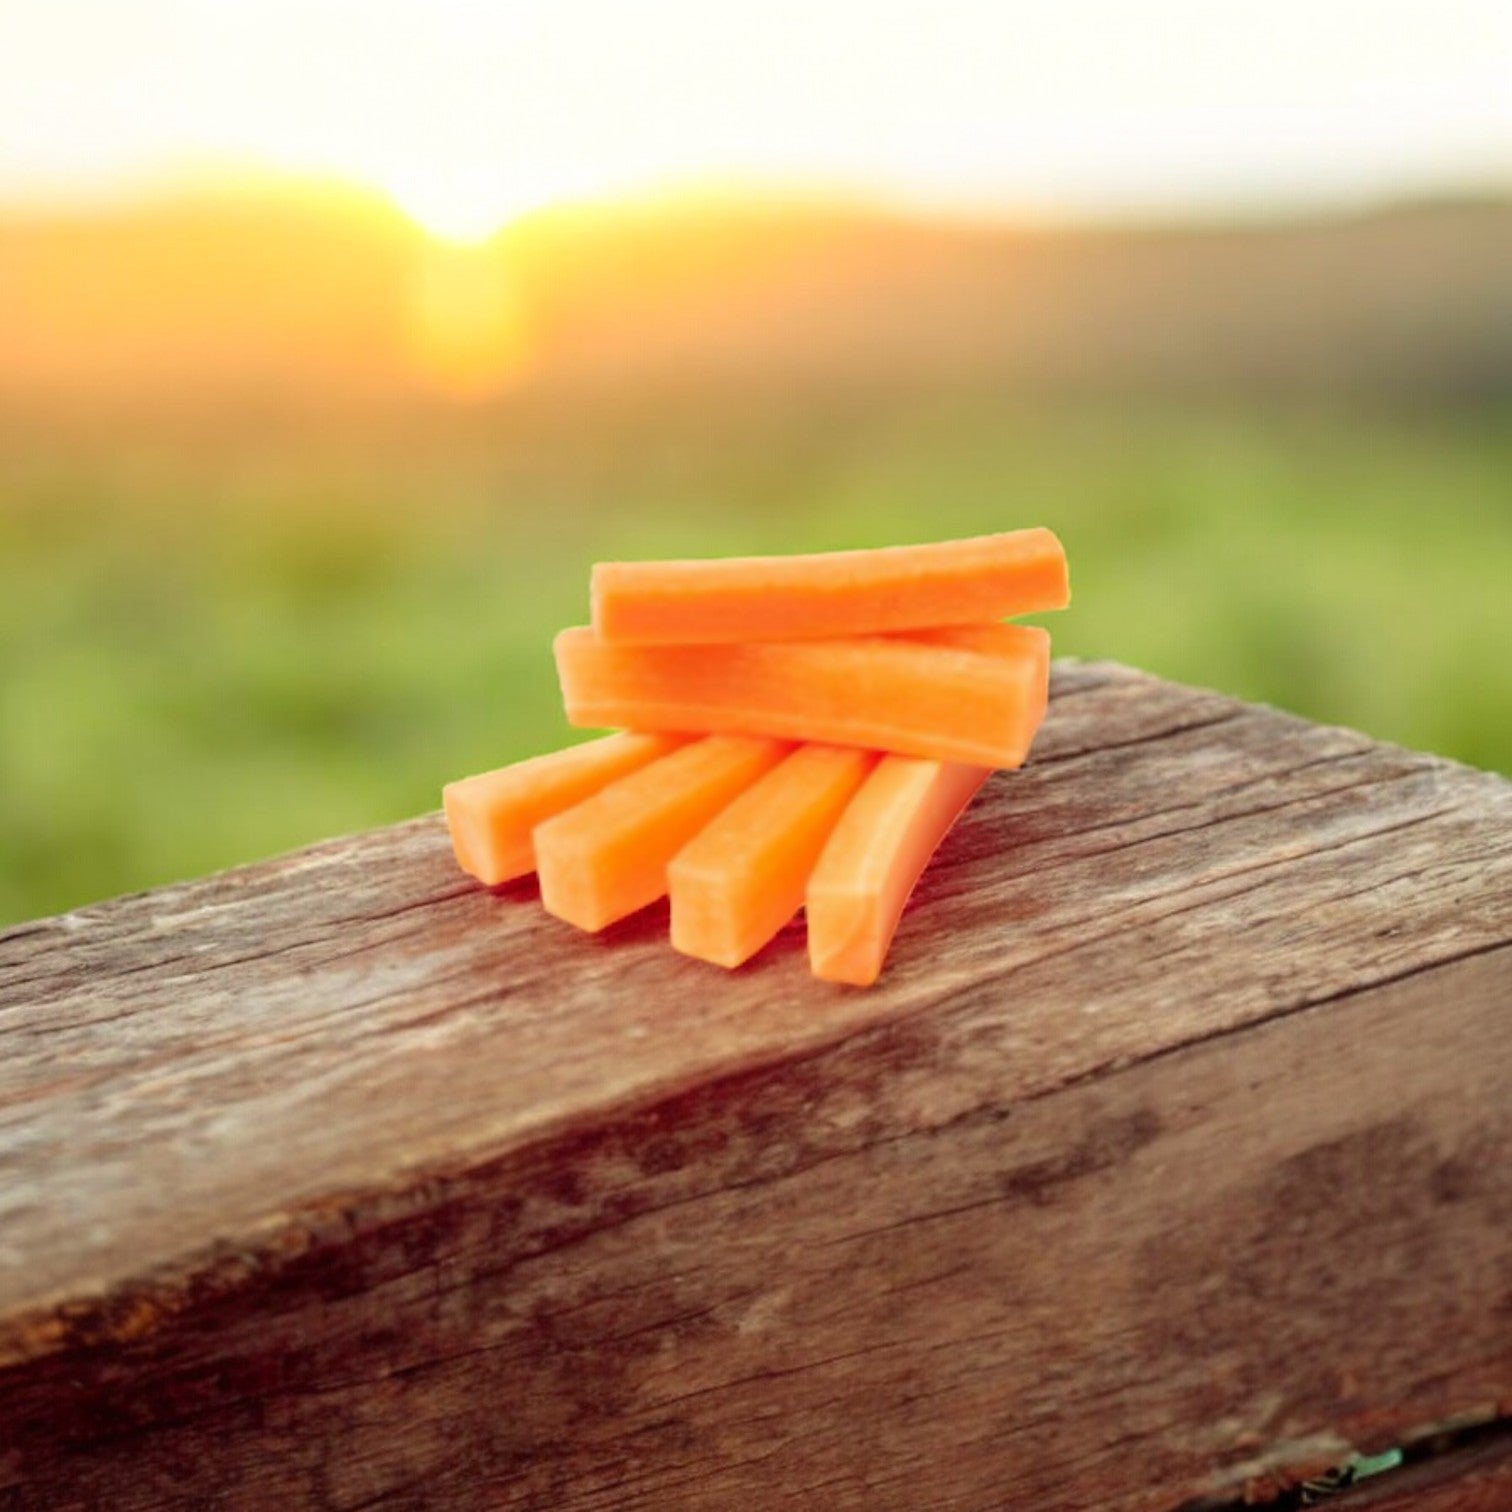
(451,216)
(457,203)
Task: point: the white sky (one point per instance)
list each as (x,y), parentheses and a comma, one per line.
(472,112)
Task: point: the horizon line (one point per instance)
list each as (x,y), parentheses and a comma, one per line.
(251,183)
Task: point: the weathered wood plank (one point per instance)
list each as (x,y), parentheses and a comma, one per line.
(1174,1147)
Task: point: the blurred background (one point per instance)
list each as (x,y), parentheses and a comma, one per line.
(337,340)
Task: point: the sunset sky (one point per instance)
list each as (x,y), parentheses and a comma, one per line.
(469,114)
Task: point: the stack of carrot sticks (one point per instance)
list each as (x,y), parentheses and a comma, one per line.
(801,732)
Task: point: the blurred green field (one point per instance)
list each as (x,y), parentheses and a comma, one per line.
(207,661)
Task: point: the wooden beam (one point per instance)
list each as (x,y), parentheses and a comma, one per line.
(1173,1151)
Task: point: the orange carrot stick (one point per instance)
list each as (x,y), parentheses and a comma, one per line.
(975,695)
(608,856)
(875,854)
(831,594)
(741,878)
(490,816)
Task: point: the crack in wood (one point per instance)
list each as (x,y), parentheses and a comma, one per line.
(1263,779)
(1110,747)
(1455,1455)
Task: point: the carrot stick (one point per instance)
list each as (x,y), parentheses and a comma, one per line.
(975,695)
(490,816)
(741,878)
(608,856)
(876,853)
(831,594)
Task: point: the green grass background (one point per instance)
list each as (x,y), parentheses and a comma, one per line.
(213,654)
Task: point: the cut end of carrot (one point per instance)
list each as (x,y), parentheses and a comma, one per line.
(846,942)
(706,923)
(480,850)
(577,899)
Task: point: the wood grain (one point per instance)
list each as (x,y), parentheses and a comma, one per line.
(1173,1150)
